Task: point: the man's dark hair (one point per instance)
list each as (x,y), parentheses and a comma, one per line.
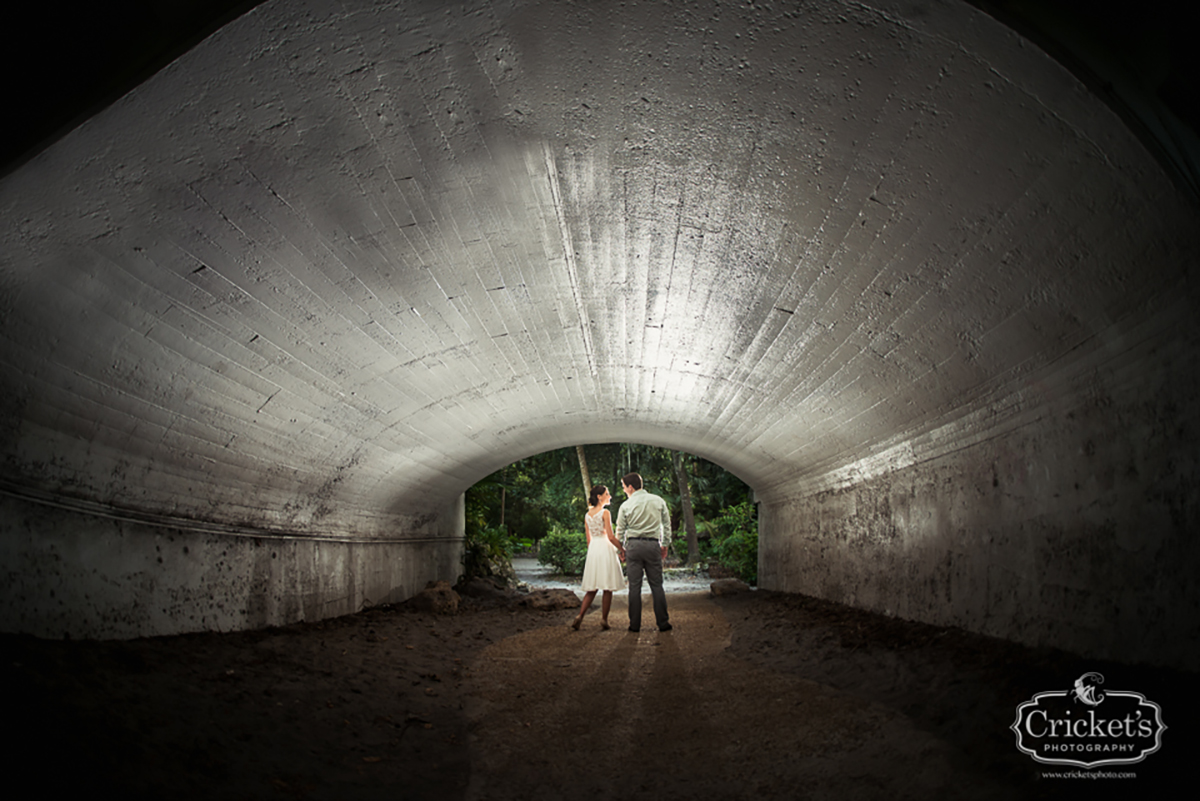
(632,480)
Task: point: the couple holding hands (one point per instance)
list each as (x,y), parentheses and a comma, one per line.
(642,536)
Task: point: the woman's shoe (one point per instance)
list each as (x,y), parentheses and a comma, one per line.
(575,625)
(604,625)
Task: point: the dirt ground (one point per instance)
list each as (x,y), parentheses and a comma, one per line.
(753,696)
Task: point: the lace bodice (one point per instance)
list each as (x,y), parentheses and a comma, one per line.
(595,524)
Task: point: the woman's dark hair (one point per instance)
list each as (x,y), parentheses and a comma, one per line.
(597,491)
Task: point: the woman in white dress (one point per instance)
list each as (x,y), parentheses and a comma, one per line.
(602,570)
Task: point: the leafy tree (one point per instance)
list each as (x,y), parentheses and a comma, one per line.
(583,469)
(527,496)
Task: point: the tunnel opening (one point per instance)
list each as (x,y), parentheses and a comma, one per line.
(534,508)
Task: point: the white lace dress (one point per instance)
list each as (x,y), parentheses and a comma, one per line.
(602,570)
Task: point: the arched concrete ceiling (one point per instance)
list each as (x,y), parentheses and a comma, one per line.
(339,261)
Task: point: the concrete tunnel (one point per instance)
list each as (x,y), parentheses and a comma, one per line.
(266,317)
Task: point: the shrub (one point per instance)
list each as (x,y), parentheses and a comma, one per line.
(565,552)
(736,541)
(486,552)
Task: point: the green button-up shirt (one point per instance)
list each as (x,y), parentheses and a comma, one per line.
(644,515)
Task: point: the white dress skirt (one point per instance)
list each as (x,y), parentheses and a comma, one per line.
(602,569)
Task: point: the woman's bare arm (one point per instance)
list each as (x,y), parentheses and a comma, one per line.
(608,531)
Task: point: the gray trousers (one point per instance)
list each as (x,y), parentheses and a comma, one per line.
(645,556)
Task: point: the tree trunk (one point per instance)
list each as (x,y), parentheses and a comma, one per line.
(583,469)
(685,500)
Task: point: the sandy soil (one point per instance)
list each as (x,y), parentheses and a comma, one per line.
(758,696)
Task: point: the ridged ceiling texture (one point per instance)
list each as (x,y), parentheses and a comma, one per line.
(341,260)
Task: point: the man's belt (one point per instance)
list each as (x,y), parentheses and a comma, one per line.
(650,539)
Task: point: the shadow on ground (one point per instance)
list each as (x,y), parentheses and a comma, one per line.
(759,695)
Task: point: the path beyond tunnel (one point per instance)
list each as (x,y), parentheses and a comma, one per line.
(267,316)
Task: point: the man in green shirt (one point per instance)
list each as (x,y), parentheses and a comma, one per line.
(644,528)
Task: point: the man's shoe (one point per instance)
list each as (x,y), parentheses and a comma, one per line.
(634,629)
(667,627)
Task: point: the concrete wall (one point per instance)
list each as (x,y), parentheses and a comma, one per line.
(1063,515)
(74,573)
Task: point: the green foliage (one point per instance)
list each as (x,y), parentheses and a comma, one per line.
(532,498)
(487,551)
(679,546)
(564,550)
(527,522)
(561,499)
(735,542)
(530,495)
